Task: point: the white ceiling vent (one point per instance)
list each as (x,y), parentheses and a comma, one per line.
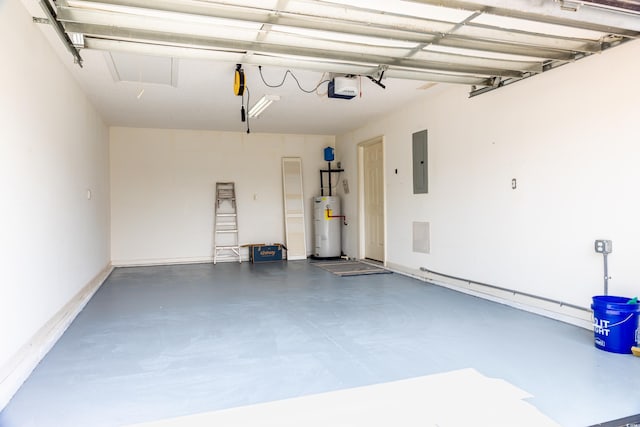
(128,67)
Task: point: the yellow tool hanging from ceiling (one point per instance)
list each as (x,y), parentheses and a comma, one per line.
(239,82)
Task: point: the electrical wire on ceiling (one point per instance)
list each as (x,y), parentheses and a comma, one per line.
(326,92)
(323,80)
(284,78)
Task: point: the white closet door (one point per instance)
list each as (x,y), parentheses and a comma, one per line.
(293,208)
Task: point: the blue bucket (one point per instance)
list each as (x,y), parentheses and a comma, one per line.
(616,326)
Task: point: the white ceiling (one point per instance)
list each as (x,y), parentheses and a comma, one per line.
(203,98)
(171,63)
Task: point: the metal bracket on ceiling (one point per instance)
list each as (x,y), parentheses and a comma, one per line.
(570,6)
(379,74)
(611,40)
(59,29)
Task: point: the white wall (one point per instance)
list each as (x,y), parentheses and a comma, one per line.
(53,148)
(163,185)
(570,138)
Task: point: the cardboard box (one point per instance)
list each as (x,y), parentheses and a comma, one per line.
(265,253)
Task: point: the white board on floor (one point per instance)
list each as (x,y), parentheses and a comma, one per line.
(453,399)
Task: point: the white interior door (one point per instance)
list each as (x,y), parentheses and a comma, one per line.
(294,226)
(373,192)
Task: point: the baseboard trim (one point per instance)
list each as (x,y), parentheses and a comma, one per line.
(16,371)
(171,261)
(564,314)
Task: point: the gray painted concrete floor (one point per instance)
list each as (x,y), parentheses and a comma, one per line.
(165,341)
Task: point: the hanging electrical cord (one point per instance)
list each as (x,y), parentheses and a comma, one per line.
(322,80)
(243,113)
(247,116)
(294,78)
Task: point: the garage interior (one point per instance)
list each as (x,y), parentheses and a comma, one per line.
(480,150)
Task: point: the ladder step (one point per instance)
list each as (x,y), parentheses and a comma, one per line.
(227,231)
(226,215)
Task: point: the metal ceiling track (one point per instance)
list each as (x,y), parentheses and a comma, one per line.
(551,13)
(202,42)
(59,29)
(407,28)
(627,6)
(279,61)
(499,83)
(327,35)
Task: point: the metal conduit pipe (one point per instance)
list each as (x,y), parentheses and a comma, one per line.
(514,292)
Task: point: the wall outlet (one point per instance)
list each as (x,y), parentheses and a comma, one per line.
(603,246)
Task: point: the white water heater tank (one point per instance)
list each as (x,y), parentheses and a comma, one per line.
(327,225)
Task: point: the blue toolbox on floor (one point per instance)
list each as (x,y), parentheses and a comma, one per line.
(266,253)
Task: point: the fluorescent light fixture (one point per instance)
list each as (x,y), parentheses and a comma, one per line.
(262,105)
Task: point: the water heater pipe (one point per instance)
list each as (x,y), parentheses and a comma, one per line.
(328,215)
(328,171)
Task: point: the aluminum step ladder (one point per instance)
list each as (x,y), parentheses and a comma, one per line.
(226,246)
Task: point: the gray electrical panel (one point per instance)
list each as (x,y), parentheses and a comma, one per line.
(420,163)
